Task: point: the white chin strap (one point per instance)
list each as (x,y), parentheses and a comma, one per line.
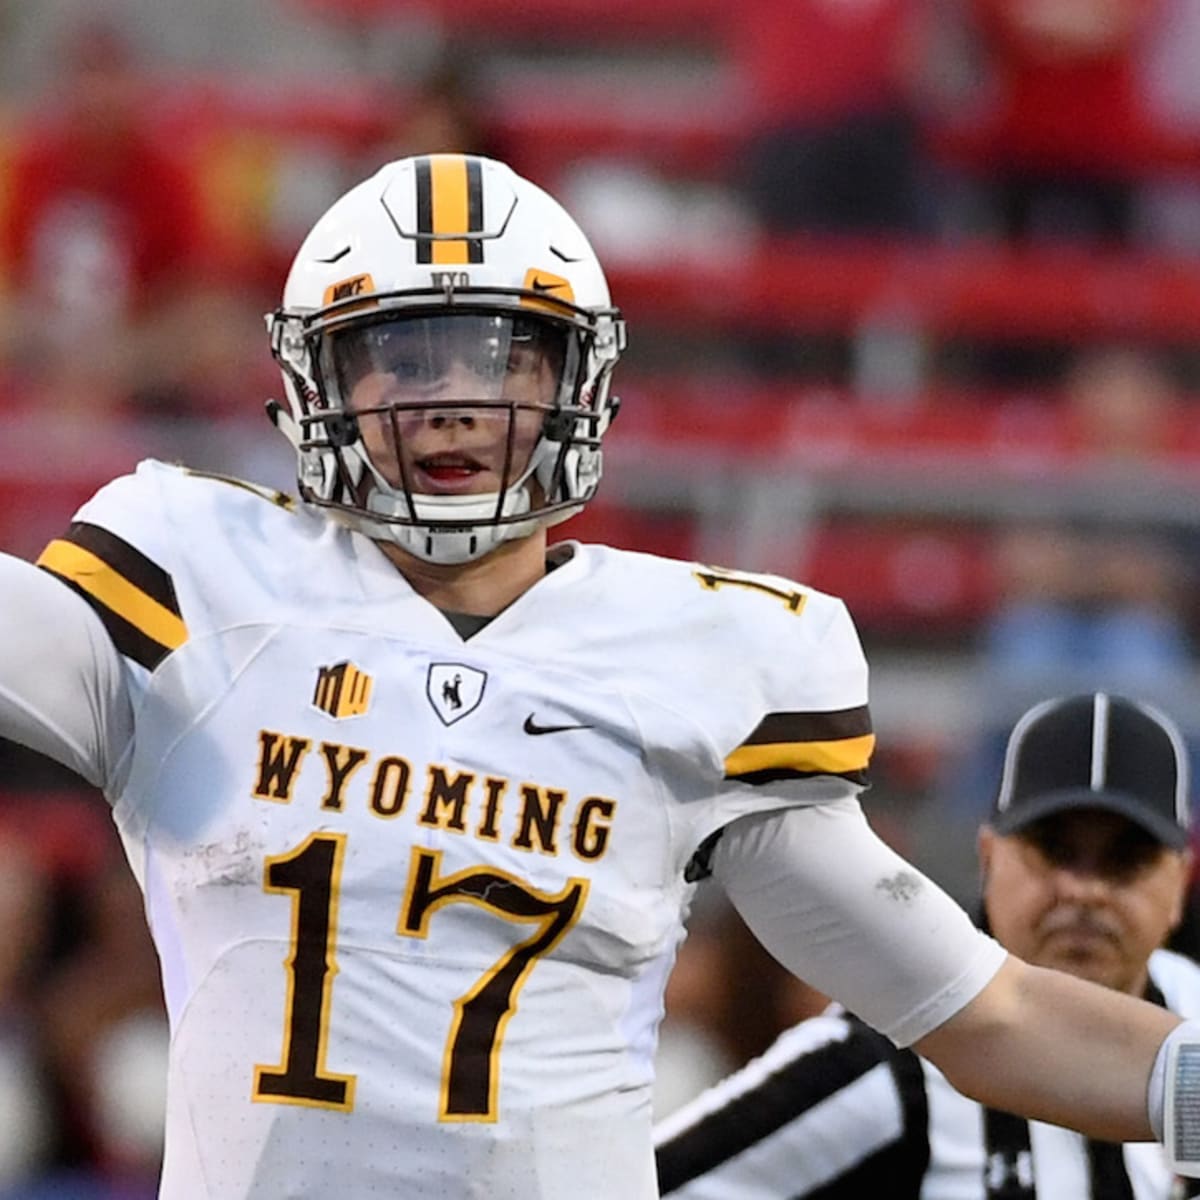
(477,535)
(476,532)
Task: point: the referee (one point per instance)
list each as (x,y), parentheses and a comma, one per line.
(1085,867)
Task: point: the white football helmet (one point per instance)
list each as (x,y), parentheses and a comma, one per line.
(412,302)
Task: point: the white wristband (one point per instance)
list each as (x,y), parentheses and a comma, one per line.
(1173,1099)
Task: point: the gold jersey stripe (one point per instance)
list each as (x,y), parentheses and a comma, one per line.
(838,757)
(100,581)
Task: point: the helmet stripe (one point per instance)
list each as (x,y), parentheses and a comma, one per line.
(475,207)
(449,202)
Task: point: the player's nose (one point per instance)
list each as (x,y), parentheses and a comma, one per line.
(442,418)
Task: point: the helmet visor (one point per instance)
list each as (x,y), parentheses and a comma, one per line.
(451,404)
(415,360)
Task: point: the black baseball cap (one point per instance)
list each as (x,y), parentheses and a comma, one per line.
(1096,750)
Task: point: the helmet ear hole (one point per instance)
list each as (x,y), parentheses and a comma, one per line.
(557,426)
(341,429)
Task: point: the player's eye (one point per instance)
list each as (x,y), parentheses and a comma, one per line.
(397,358)
(523,359)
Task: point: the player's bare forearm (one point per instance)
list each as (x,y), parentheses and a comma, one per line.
(1056,1048)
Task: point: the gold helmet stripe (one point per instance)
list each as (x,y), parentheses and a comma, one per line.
(449,206)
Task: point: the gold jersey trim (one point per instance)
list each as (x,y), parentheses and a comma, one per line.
(825,758)
(134,598)
(784,744)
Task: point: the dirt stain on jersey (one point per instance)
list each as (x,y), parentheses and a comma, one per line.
(236,863)
(903,887)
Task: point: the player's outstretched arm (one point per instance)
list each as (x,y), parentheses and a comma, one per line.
(1056,1048)
(847,914)
(62,689)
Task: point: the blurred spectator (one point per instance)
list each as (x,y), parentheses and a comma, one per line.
(102,228)
(105,1031)
(27,1129)
(1060,131)
(726,1000)
(82,1029)
(1170,201)
(1085,604)
(834,91)
(1123,404)
(206,357)
(86,998)
(1106,601)
(1080,601)
(445,113)
(127,1075)
(693,1050)
(65,428)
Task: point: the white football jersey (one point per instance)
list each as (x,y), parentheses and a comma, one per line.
(416,898)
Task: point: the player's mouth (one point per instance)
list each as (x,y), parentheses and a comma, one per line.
(449,473)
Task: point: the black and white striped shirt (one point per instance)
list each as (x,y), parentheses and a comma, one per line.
(834,1111)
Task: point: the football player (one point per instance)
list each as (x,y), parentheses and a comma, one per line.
(418,804)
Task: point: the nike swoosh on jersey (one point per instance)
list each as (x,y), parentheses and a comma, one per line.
(533,728)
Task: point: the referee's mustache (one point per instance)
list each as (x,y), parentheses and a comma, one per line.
(1079,919)
(1065,918)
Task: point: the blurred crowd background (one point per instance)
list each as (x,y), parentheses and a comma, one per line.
(914,293)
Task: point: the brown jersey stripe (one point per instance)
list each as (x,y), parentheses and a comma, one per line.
(129,563)
(128,639)
(761,778)
(811,726)
(114,596)
(841,757)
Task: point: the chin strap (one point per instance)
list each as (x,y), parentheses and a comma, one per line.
(477,535)
(1174,1097)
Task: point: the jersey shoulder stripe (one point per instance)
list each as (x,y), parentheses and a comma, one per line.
(270,495)
(133,596)
(798,745)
